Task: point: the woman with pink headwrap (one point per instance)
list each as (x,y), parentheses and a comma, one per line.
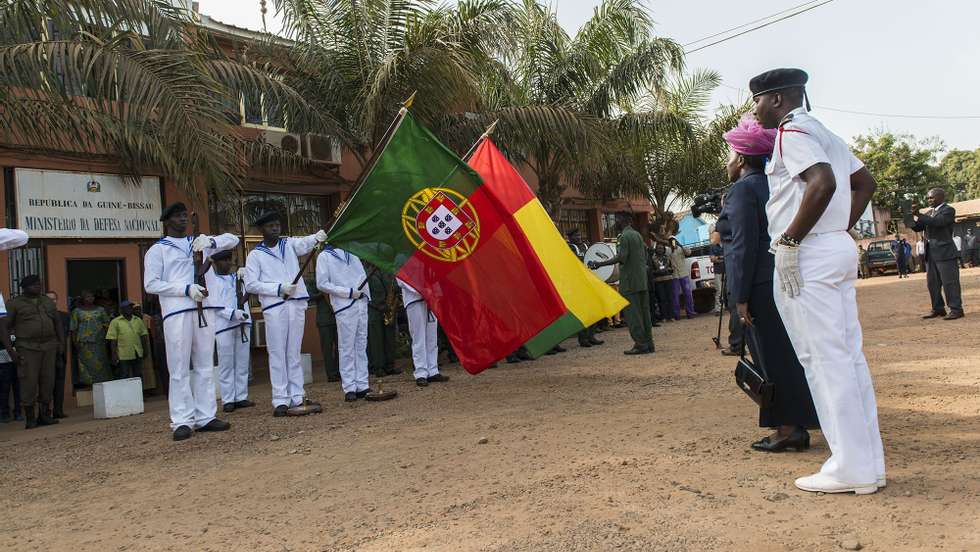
(749,268)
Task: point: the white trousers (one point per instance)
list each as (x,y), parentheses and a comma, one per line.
(283,339)
(425,339)
(822,323)
(191,395)
(352,345)
(233,364)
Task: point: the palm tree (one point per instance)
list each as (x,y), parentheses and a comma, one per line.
(554,94)
(134,83)
(358,60)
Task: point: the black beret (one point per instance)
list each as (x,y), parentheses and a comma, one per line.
(172,210)
(777,79)
(29,280)
(267,217)
(221,255)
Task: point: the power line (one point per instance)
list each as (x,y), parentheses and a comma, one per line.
(757,27)
(882,115)
(743,25)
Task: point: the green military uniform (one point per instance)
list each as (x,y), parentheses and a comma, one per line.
(381,336)
(32,321)
(632,257)
(326,324)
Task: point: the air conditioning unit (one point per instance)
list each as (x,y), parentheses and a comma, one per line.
(325,149)
(283,140)
(258,333)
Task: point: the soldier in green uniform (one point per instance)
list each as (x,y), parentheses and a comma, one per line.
(381,336)
(632,258)
(326,324)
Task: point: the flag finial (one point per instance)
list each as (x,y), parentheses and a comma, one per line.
(490,129)
(411,99)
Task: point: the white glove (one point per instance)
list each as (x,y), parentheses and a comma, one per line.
(240,315)
(201,243)
(321,236)
(196,292)
(788,269)
(287,289)
(356,293)
(241,273)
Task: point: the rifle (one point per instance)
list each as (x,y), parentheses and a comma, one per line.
(242,299)
(202,321)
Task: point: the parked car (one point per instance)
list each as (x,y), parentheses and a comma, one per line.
(881,258)
(702,273)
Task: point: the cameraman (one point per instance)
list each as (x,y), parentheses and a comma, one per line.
(749,274)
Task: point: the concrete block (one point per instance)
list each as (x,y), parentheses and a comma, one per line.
(123,397)
(83,397)
(306,360)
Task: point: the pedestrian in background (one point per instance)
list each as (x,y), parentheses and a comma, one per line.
(682,279)
(717,253)
(942,255)
(971,247)
(89,323)
(129,341)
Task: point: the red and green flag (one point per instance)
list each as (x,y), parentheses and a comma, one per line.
(424,215)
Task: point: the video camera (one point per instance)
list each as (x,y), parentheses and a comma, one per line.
(708,202)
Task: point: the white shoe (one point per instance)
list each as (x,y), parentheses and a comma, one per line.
(820,483)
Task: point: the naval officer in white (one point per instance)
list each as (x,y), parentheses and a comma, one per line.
(269,272)
(818,190)
(168,272)
(341,275)
(424,328)
(231,333)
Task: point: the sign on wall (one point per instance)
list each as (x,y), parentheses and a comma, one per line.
(60,204)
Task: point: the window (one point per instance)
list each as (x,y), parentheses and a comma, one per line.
(575,219)
(262,110)
(609,226)
(24,261)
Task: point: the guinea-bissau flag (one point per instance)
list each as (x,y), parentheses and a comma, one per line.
(422,214)
(586,299)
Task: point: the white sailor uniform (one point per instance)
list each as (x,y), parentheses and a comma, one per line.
(233,350)
(339,274)
(267,271)
(168,272)
(424,328)
(822,321)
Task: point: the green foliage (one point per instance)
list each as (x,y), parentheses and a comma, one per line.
(904,166)
(961,170)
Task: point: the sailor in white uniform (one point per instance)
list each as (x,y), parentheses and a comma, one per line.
(424,328)
(341,275)
(169,273)
(269,272)
(232,328)
(818,190)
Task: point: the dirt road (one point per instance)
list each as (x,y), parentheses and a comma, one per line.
(588,450)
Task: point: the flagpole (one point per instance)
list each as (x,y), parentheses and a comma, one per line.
(375,155)
(480,140)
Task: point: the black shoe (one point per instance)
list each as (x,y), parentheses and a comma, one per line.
(350,396)
(229,407)
(730,352)
(421,382)
(30,422)
(934,315)
(523,355)
(584,343)
(280,411)
(44,420)
(799,441)
(637,351)
(365,393)
(552,352)
(595,341)
(953,316)
(244,404)
(215,425)
(182,433)
(512,359)
(560,349)
(438,378)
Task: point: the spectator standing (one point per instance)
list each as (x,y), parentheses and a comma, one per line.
(920,253)
(32,318)
(60,364)
(663,281)
(682,280)
(717,253)
(129,340)
(863,269)
(89,323)
(971,247)
(901,261)
(958,241)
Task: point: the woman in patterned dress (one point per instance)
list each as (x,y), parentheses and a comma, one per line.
(88,326)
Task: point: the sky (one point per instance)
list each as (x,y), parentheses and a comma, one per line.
(891,57)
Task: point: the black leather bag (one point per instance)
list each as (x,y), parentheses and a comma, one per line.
(752,379)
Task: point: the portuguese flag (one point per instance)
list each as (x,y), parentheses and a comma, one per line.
(424,215)
(585,298)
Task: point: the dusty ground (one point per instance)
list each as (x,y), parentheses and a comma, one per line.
(589,450)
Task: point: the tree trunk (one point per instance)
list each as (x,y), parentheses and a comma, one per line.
(550,190)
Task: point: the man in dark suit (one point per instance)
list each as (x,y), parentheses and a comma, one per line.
(942,258)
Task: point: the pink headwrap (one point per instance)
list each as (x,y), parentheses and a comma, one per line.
(749,138)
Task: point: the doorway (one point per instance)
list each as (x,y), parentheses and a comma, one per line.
(104,278)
